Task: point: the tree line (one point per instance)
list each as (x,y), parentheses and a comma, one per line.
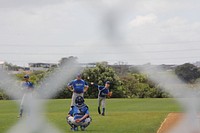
(128,83)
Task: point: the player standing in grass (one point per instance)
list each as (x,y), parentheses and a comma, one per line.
(27,88)
(103,92)
(78,87)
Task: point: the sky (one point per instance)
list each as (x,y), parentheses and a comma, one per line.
(133,32)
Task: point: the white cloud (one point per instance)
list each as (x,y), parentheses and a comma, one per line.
(165,6)
(172,34)
(143,20)
(177,24)
(35,22)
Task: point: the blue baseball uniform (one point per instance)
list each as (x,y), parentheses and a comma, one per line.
(78,85)
(78,89)
(103,92)
(28,86)
(27,96)
(77,113)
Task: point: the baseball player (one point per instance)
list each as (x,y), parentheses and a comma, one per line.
(27,88)
(103,92)
(78,87)
(79,115)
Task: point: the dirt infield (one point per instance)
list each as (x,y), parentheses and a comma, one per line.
(170,121)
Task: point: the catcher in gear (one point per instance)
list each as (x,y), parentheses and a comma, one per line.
(79,115)
(103,92)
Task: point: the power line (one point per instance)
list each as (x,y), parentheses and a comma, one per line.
(176,50)
(167,58)
(105,53)
(173,42)
(95,44)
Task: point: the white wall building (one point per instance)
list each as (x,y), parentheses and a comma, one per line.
(2,65)
(90,65)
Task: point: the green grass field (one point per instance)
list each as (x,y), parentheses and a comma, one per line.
(122,115)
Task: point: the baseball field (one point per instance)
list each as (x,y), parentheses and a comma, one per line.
(122,115)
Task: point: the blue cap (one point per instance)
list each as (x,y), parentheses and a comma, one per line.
(79,75)
(107,82)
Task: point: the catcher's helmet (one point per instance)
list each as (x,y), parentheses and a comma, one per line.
(79,100)
(26,76)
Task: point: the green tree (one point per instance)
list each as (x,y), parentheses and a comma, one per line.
(11,67)
(99,75)
(35,76)
(3,95)
(66,60)
(138,85)
(187,72)
(128,85)
(135,85)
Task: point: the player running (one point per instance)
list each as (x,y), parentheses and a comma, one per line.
(79,115)
(103,92)
(78,87)
(27,88)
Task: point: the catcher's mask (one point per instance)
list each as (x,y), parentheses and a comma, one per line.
(79,100)
(26,76)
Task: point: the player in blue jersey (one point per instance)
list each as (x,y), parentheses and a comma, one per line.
(78,87)
(79,115)
(103,92)
(27,88)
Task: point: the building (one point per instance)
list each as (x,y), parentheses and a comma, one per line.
(41,66)
(87,65)
(2,65)
(168,67)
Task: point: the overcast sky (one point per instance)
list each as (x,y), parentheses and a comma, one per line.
(135,32)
